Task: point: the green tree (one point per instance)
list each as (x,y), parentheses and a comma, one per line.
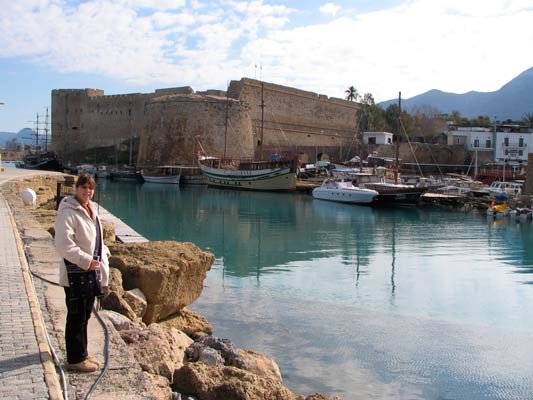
(352,94)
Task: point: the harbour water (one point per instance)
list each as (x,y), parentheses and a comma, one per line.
(365,303)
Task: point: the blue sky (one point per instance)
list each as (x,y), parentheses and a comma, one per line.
(381,47)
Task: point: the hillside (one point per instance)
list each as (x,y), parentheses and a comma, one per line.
(25,136)
(512,101)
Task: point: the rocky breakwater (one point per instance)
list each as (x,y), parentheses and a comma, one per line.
(151,286)
(158,348)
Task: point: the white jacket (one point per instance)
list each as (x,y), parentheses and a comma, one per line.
(75,239)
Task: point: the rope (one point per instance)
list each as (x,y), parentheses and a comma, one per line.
(411,147)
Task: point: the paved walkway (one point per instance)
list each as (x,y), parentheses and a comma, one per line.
(21,372)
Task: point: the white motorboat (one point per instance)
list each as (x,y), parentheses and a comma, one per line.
(343,191)
(163,174)
(102,172)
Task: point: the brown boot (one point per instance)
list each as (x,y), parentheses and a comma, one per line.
(94,361)
(84,366)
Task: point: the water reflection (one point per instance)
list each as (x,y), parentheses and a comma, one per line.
(367,303)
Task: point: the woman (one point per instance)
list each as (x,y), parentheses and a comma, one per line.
(84,270)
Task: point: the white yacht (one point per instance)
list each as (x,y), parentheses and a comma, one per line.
(343,191)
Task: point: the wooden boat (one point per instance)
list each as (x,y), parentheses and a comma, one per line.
(192,176)
(169,174)
(343,191)
(498,210)
(275,175)
(127,174)
(521,214)
(388,193)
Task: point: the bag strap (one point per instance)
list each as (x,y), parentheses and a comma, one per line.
(98,246)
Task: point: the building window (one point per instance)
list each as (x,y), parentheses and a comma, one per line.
(488,144)
(506,152)
(371,140)
(521,142)
(476,143)
(389,141)
(506,142)
(520,153)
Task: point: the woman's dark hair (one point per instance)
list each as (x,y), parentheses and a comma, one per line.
(85,178)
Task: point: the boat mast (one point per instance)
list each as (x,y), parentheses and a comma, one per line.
(226,125)
(397,166)
(262,116)
(37,134)
(46,131)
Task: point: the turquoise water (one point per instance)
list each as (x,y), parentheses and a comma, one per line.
(402,303)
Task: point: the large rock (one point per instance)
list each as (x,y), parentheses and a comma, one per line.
(115,281)
(251,361)
(120,322)
(170,274)
(190,322)
(137,301)
(227,383)
(258,363)
(158,350)
(112,301)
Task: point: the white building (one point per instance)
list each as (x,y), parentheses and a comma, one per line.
(377,137)
(509,143)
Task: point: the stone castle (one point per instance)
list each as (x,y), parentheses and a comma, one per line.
(253,119)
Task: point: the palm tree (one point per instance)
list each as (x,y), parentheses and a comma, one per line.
(352,94)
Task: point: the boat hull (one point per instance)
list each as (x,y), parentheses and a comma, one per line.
(170,179)
(396,194)
(272,179)
(352,196)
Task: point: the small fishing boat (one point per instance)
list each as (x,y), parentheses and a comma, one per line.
(521,214)
(102,172)
(126,174)
(498,210)
(163,174)
(343,191)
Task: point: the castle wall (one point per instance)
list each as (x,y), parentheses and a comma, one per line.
(296,120)
(166,123)
(175,125)
(85,119)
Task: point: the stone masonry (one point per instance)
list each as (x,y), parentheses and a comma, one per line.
(251,118)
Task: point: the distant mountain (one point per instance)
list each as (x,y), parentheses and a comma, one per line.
(25,136)
(512,101)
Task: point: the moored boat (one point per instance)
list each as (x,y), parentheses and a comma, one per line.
(388,193)
(498,210)
(102,172)
(343,191)
(521,214)
(274,175)
(127,174)
(169,174)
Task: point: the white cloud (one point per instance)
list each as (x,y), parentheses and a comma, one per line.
(330,9)
(452,45)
